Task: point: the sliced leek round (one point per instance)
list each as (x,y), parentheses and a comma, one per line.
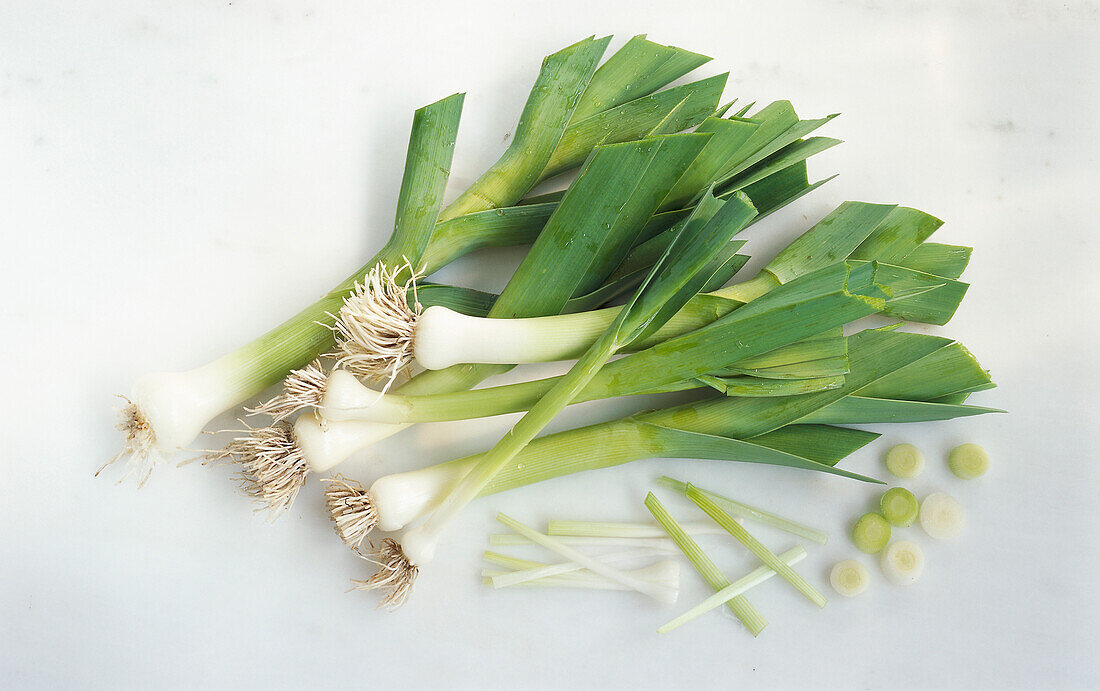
(905,460)
(942,516)
(871,533)
(968,461)
(902,562)
(899,507)
(849,578)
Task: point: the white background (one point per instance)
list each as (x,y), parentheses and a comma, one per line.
(176,178)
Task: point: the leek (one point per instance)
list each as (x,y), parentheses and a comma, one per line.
(747,430)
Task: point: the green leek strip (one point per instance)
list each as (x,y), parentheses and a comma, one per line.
(792,153)
(754,578)
(672,283)
(740,605)
(759,550)
(737,508)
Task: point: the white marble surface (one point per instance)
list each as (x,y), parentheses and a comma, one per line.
(178,176)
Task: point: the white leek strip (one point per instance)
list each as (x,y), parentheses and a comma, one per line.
(598,583)
(661,593)
(740,510)
(507,540)
(664,573)
(638,530)
(566,567)
(738,587)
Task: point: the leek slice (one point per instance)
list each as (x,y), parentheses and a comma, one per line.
(871,533)
(942,516)
(899,507)
(968,461)
(902,562)
(849,578)
(905,461)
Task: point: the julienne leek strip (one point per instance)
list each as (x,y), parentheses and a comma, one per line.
(759,550)
(660,593)
(662,544)
(736,508)
(642,530)
(740,605)
(662,574)
(534,574)
(754,578)
(168,410)
(672,282)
